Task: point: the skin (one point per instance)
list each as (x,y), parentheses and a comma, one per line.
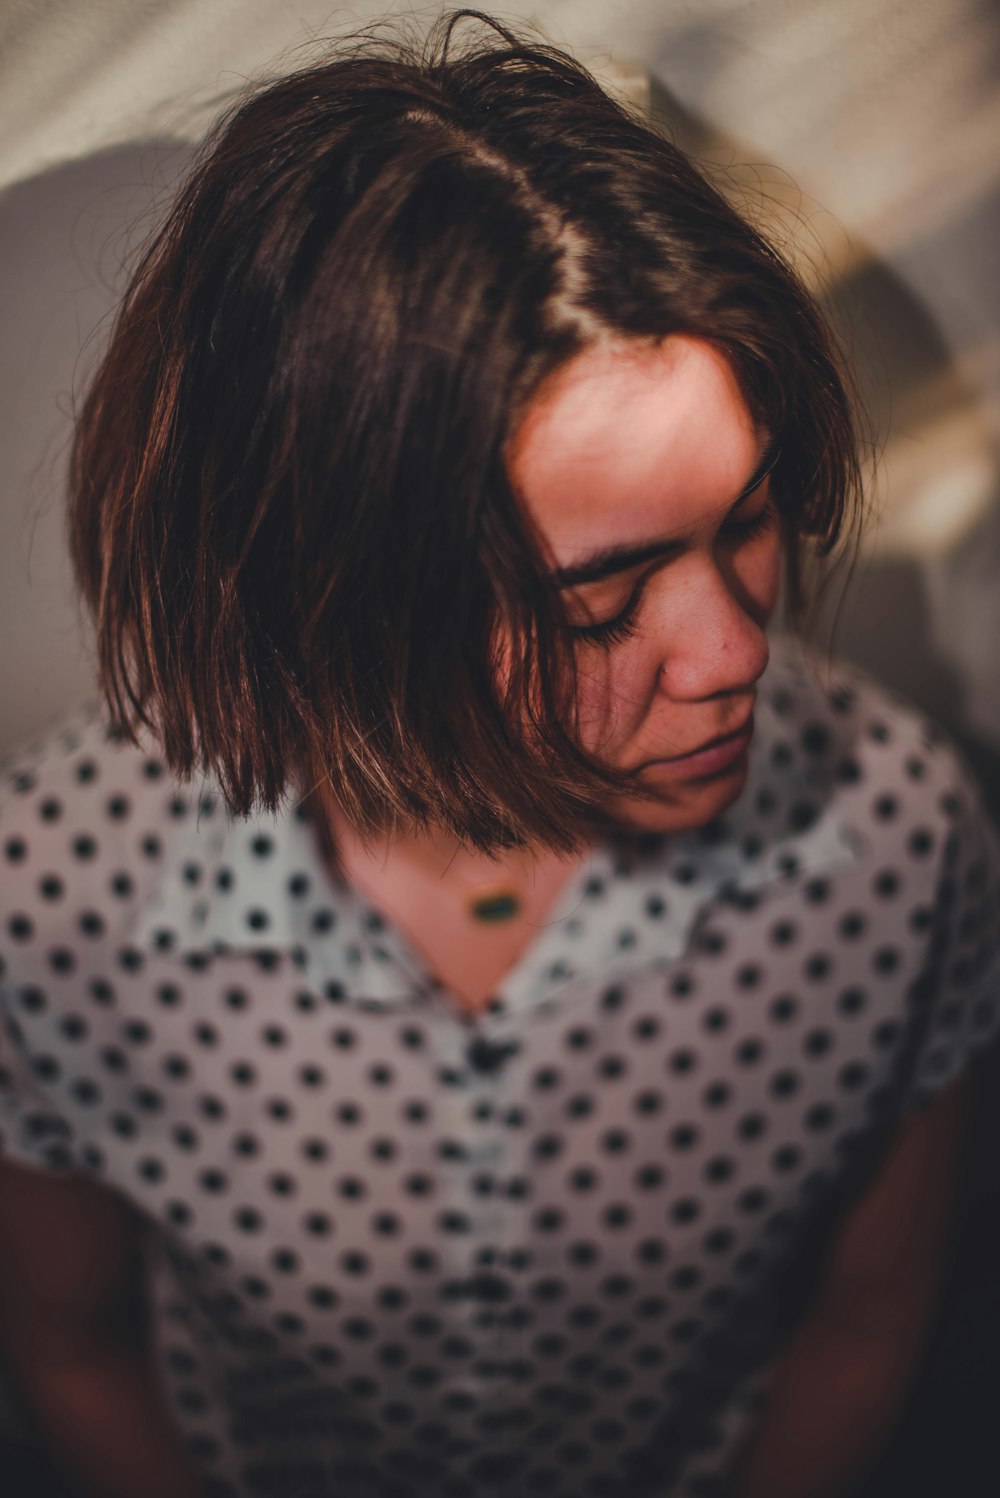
(628,443)
(622,444)
(625,444)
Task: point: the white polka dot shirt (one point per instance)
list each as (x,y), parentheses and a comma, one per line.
(547,1250)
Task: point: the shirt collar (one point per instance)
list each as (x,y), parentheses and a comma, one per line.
(261,885)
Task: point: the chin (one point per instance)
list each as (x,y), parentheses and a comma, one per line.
(683,808)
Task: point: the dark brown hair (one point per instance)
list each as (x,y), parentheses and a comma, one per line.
(290,514)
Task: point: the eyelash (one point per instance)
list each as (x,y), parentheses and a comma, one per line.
(622,627)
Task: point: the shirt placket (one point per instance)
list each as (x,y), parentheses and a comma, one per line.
(477,1113)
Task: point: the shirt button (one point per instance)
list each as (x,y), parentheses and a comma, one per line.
(489,1055)
(489,1287)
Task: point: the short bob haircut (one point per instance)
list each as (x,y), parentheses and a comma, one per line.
(290,514)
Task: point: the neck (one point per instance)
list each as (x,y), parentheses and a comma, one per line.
(435,854)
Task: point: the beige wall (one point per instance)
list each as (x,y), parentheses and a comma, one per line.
(871,124)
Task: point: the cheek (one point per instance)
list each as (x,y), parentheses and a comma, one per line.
(763,582)
(612,695)
(615,690)
(754,577)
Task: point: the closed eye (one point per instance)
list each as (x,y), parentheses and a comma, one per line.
(613,631)
(753,526)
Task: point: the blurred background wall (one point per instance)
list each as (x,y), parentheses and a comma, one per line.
(864,133)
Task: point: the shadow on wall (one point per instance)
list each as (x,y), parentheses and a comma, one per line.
(925,624)
(920,610)
(67,238)
(884,623)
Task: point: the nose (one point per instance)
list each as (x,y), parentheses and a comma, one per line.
(715,641)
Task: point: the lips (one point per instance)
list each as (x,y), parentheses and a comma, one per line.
(723,738)
(713,757)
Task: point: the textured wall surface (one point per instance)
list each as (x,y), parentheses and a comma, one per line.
(870,126)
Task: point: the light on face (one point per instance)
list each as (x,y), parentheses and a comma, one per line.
(642,469)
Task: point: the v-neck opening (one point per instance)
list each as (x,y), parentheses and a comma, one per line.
(505,994)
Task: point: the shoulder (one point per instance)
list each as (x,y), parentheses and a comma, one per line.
(875,760)
(924,873)
(88,824)
(104,854)
(857,800)
(875,874)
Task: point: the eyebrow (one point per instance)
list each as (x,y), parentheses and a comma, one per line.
(622,557)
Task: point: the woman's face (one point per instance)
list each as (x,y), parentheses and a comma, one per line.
(641,467)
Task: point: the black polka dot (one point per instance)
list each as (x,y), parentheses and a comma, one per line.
(570,1225)
(851,1000)
(817,1042)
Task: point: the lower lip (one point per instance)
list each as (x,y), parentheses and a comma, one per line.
(714,760)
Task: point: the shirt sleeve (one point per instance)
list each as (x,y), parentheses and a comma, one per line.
(957,997)
(33,1131)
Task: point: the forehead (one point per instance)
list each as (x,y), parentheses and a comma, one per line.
(628,440)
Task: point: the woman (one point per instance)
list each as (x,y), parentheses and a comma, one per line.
(512,1033)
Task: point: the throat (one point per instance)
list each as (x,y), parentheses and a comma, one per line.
(469,918)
